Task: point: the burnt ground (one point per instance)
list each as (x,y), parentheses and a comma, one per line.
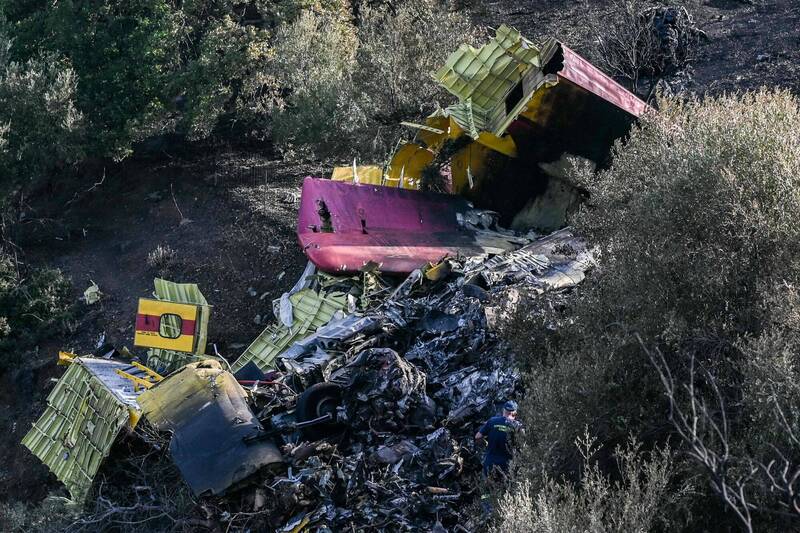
(750,44)
(242,209)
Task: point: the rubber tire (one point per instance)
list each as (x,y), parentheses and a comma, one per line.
(308,407)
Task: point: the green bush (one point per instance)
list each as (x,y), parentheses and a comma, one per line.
(34,303)
(41,129)
(400,47)
(695,224)
(316,111)
(135,71)
(637,502)
(52,514)
(229,76)
(153,67)
(345,92)
(124,54)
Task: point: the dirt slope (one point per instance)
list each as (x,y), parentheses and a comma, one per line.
(749,45)
(240,242)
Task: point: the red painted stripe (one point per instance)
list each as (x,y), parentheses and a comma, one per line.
(150,323)
(582,73)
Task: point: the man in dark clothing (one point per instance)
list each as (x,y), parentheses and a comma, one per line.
(497,431)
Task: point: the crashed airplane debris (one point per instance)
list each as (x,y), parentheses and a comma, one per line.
(309,311)
(91,404)
(215,436)
(174,325)
(342,227)
(409,412)
(380,365)
(521,111)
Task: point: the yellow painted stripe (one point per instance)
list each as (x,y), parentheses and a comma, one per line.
(158,308)
(151,339)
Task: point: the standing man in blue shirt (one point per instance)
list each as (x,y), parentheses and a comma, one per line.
(497,432)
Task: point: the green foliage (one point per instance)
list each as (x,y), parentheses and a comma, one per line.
(152,67)
(40,127)
(345,92)
(33,303)
(400,48)
(228,75)
(52,514)
(132,71)
(695,224)
(318,110)
(770,372)
(123,54)
(698,213)
(636,502)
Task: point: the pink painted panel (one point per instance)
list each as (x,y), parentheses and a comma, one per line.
(582,73)
(398,228)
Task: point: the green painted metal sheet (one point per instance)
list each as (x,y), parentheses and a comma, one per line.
(310,310)
(182,293)
(482,78)
(165,361)
(85,412)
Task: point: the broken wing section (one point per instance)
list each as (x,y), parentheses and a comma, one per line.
(87,409)
(215,436)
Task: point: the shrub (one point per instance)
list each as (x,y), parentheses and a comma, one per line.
(695,223)
(123,55)
(141,70)
(318,111)
(229,77)
(162,259)
(345,92)
(34,302)
(52,514)
(641,38)
(400,47)
(40,128)
(698,215)
(636,502)
(153,67)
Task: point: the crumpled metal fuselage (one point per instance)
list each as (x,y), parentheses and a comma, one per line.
(521,111)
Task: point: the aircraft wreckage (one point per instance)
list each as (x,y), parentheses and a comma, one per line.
(521,110)
(356,408)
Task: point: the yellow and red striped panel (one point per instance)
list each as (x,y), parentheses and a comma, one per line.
(166,325)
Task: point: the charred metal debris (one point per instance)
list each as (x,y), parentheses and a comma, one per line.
(356,409)
(365,421)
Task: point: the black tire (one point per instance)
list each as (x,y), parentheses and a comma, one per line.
(316,401)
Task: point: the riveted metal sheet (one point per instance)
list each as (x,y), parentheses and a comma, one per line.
(482,78)
(163,360)
(184,293)
(85,412)
(310,310)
